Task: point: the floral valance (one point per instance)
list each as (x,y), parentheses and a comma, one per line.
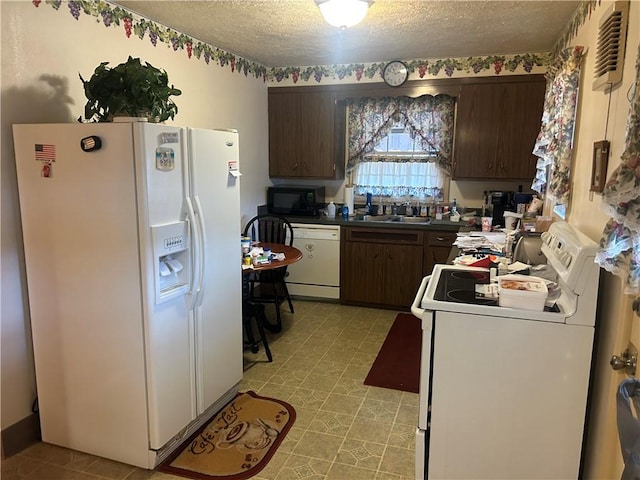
(554,145)
(619,250)
(429,120)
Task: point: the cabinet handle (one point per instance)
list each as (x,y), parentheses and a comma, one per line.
(295,165)
(440,239)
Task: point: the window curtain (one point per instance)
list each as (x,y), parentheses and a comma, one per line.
(429,119)
(396,179)
(619,248)
(554,144)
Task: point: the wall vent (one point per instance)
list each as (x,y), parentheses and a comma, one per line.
(612,34)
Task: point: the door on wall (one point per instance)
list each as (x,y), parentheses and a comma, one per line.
(618,328)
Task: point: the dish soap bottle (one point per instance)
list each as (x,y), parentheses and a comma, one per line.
(331,210)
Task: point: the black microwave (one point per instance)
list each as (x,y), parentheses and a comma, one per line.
(295,200)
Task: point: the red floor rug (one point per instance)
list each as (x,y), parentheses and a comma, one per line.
(397,365)
(237,443)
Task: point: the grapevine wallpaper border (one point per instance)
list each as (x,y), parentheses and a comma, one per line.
(113,16)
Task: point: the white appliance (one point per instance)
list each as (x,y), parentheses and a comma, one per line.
(132,259)
(317,274)
(503,391)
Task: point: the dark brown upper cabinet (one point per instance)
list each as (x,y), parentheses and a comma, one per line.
(497,122)
(306,134)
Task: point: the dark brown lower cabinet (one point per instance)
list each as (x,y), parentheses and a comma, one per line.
(383,267)
(437,247)
(380,266)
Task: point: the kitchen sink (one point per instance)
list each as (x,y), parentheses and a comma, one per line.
(391,219)
(414,219)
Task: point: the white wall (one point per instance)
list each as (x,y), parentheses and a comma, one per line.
(615,317)
(43,51)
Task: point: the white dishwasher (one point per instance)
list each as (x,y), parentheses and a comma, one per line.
(318,273)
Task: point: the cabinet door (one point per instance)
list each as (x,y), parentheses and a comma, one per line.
(437,249)
(361,272)
(476,132)
(284,112)
(403,274)
(303,142)
(380,266)
(496,127)
(518,128)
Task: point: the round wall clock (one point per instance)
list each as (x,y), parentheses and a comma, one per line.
(395,73)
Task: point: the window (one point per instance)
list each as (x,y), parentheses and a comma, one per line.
(401,146)
(398,166)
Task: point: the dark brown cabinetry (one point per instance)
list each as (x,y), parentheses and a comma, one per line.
(497,123)
(306,134)
(437,247)
(384,267)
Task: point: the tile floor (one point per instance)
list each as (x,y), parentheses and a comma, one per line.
(344,429)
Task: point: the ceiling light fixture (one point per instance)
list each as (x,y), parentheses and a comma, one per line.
(344,13)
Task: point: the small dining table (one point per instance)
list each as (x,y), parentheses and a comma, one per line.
(291,255)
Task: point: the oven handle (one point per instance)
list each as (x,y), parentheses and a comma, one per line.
(415,306)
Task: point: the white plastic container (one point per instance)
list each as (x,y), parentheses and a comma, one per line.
(522,291)
(331,210)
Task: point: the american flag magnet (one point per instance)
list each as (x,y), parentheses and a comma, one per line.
(45,153)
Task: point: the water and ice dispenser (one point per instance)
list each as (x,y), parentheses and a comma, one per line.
(171,251)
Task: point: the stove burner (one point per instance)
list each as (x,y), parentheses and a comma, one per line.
(478,277)
(468,296)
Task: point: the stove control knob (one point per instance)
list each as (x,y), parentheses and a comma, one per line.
(565,258)
(546,237)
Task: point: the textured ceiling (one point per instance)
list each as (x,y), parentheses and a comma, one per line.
(280,33)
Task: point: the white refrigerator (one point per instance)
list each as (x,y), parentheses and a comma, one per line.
(131,238)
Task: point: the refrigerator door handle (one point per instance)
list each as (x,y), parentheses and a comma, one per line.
(202,254)
(197,246)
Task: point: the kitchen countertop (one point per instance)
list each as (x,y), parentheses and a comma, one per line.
(352,222)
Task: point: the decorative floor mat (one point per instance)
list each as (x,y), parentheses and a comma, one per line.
(237,443)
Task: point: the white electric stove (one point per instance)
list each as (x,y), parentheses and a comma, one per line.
(503,391)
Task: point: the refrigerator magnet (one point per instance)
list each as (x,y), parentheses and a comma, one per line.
(47,170)
(233,169)
(91,143)
(165,159)
(45,152)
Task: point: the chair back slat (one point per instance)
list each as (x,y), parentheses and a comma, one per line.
(269,228)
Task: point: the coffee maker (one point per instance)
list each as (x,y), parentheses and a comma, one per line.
(500,202)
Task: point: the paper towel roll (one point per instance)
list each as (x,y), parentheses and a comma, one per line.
(348,199)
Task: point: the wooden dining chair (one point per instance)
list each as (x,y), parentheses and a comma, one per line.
(250,311)
(269,286)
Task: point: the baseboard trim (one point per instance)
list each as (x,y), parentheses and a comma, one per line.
(21,435)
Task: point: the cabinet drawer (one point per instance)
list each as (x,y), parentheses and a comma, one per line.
(385,235)
(441,239)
